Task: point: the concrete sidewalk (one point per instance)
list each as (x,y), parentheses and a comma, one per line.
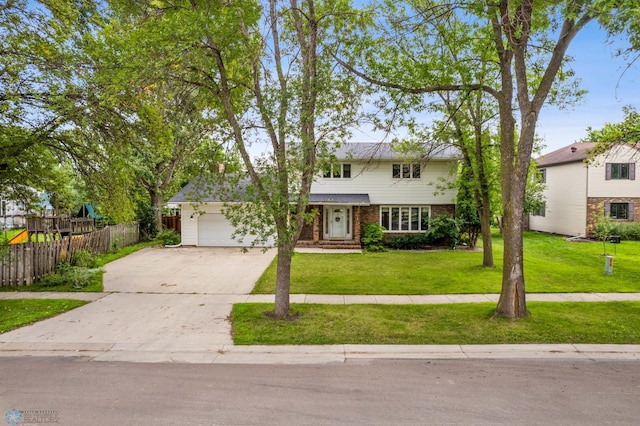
(194,328)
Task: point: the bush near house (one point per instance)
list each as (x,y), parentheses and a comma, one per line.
(626,231)
(443,230)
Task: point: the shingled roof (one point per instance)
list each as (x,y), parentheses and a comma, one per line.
(573,153)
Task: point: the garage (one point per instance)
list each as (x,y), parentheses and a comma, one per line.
(214,230)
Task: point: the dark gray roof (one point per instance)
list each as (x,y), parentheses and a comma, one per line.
(573,153)
(215,191)
(385,151)
(351,199)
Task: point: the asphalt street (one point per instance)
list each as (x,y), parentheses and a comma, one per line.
(77,391)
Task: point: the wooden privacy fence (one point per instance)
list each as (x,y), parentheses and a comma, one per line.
(172,222)
(25,263)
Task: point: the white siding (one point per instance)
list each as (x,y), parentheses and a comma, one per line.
(376,180)
(190,225)
(614,188)
(566,201)
(219,235)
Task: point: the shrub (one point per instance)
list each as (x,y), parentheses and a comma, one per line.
(76,276)
(84,259)
(627,231)
(168,237)
(372,237)
(409,241)
(444,230)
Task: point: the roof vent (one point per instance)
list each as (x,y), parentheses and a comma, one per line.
(574,149)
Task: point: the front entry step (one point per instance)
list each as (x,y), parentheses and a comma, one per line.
(329,244)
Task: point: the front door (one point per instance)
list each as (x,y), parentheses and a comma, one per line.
(338,222)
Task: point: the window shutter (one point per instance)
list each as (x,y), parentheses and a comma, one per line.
(608,171)
(632,171)
(607,209)
(630,214)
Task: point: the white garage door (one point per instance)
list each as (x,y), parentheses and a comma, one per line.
(215,230)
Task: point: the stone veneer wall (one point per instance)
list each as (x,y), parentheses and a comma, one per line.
(595,207)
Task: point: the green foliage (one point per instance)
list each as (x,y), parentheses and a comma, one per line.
(627,131)
(444,229)
(167,237)
(467,208)
(84,259)
(73,277)
(602,229)
(372,236)
(145,219)
(629,231)
(412,241)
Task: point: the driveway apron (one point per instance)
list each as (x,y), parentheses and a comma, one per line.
(161,304)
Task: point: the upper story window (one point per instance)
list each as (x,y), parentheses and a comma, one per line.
(406,171)
(619,171)
(337,171)
(542,175)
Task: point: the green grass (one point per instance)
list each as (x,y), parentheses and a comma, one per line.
(552,265)
(19,312)
(103,259)
(95,282)
(595,323)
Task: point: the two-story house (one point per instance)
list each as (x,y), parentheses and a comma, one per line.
(367,183)
(578,191)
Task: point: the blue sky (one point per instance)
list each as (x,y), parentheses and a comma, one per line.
(609,90)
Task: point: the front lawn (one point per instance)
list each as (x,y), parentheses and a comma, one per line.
(552,265)
(18,312)
(471,324)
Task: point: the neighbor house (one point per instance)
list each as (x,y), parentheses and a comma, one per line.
(367,183)
(579,188)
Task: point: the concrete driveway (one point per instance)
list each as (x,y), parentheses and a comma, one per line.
(203,270)
(160,304)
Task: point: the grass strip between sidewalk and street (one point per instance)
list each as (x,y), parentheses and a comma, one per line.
(15,313)
(447,324)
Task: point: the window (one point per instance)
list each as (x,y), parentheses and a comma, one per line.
(541,211)
(337,171)
(542,176)
(405,219)
(619,211)
(406,171)
(619,171)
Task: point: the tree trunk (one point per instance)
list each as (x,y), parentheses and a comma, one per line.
(156,206)
(512,302)
(485,228)
(283,281)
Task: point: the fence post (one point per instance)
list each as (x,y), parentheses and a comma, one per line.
(28,265)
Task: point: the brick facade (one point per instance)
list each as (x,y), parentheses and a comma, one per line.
(361,215)
(595,207)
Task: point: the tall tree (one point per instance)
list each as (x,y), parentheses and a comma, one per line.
(268,75)
(527,42)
